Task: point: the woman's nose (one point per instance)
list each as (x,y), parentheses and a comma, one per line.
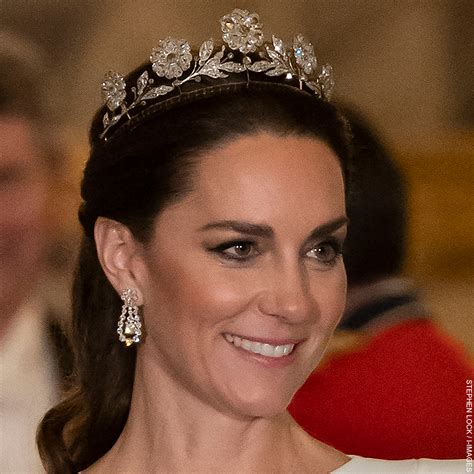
(286,294)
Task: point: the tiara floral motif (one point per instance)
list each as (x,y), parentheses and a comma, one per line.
(241,31)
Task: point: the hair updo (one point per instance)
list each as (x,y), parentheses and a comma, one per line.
(146,164)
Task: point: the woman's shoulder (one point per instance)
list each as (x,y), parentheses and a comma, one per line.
(409,466)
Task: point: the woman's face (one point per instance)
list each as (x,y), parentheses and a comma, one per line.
(243,282)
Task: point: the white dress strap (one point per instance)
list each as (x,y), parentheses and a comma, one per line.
(359,464)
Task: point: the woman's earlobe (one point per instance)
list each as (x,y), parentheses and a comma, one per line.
(116,250)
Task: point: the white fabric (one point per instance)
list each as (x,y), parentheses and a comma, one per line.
(358,464)
(27,389)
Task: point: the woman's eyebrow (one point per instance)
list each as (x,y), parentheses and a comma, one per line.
(328,228)
(258,230)
(264,230)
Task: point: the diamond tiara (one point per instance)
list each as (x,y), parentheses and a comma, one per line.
(173,64)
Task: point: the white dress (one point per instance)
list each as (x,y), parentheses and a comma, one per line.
(358,464)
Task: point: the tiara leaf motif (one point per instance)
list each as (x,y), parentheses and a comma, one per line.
(241,31)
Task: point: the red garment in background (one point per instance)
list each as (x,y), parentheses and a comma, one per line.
(400,396)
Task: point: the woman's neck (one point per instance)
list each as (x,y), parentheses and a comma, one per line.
(170,430)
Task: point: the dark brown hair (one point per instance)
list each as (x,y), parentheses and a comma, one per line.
(147,164)
(377,210)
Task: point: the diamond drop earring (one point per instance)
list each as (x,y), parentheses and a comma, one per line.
(129,325)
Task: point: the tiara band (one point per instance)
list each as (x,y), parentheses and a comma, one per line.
(173,65)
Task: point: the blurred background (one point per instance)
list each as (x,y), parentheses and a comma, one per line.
(406,64)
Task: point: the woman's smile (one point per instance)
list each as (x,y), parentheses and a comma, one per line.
(259,346)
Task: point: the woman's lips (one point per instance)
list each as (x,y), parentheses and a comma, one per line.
(260,347)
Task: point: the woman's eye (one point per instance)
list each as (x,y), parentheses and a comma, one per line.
(326,253)
(238,250)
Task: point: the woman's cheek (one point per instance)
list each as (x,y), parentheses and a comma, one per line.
(222,296)
(329,289)
(339,299)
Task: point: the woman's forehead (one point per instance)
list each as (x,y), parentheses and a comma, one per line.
(269,164)
(266,178)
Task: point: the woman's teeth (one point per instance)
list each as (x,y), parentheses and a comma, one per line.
(262,348)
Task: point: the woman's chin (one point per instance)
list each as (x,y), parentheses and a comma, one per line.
(268,405)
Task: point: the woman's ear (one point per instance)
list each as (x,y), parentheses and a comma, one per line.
(118,253)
